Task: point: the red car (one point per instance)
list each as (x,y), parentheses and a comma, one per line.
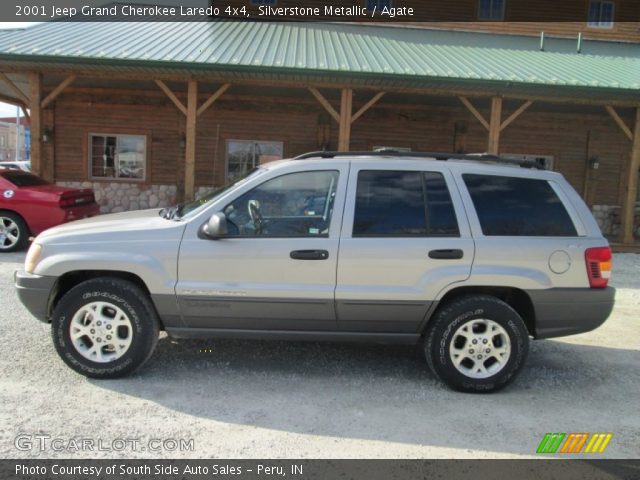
(30,205)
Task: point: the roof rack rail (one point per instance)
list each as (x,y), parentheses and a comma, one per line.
(477,157)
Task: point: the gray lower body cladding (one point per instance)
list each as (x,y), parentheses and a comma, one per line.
(34,291)
(569,311)
(558,312)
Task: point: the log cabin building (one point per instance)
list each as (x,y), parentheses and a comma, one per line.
(152,113)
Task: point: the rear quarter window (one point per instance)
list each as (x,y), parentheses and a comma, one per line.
(21,179)
(513,206)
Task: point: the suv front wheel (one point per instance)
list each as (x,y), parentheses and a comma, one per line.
(477,343)
(105,328)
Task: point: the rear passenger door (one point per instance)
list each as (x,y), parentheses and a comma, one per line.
(404,239)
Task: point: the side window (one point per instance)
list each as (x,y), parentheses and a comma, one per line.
(511,206)
(403,204)
(292,205)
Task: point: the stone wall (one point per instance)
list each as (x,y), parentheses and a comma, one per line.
(122,196)
(609,218)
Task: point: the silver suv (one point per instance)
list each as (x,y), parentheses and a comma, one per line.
(465,255)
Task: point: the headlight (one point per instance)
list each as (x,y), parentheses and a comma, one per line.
(33,255)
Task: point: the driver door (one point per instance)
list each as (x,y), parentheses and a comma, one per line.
(276,268)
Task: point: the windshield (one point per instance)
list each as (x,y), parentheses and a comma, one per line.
(183,210)
(22,179)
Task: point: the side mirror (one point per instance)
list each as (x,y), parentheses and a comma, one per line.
(216,226)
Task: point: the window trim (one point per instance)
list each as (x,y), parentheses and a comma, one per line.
(491,18)
(599,24)
(90,175)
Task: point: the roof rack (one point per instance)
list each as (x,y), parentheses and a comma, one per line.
(444,156)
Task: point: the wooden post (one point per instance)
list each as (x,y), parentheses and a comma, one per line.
(346,105)
(629,205)
(190,151)
(47,152)
(35,94)
(494,126)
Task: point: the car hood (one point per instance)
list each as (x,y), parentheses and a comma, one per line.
(134,225)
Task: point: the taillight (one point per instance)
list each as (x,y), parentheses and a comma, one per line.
(76,200)
(67,201)
(598,262)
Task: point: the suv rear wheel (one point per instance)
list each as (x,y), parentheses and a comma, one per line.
(105,328)
(477,343)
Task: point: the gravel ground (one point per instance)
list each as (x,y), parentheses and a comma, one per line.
(251,399)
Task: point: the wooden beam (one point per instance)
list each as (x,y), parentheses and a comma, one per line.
(494,126)
(515,114)
(57,91)
(623,126)
(171,96)
(11,100)
(25,113)
(19,93)
(35,92)
(325,103)
(629,205)
(190,150)
(346,105)
(475,112)
(209,101)
(367,106)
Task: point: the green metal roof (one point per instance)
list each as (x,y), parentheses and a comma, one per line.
(330,49)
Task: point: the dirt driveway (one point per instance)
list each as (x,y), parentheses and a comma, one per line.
(252,399)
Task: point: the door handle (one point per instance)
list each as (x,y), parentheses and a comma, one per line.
(309,254)
(447,254)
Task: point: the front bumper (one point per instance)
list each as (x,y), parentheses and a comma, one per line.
(568,311)
(34,292)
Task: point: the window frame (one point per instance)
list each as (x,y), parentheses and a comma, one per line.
(491,17)
(599,24)
(425,197)
(89,158)
(226,152)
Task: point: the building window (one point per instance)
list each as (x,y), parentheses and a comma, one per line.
(491,9)
(120,157)
(378,4)
(3,141)
(264,2)
(601,14)
(244,155)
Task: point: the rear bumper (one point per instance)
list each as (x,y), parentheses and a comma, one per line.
(568,311)
(34,292)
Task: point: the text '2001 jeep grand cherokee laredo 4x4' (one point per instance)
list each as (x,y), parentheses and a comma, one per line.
(467,256)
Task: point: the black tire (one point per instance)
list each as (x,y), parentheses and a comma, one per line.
(455,315)
(21,229)
(131,300)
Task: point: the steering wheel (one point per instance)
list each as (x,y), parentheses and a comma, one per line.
(256,217)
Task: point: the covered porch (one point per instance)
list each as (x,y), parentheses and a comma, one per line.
(577,112)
